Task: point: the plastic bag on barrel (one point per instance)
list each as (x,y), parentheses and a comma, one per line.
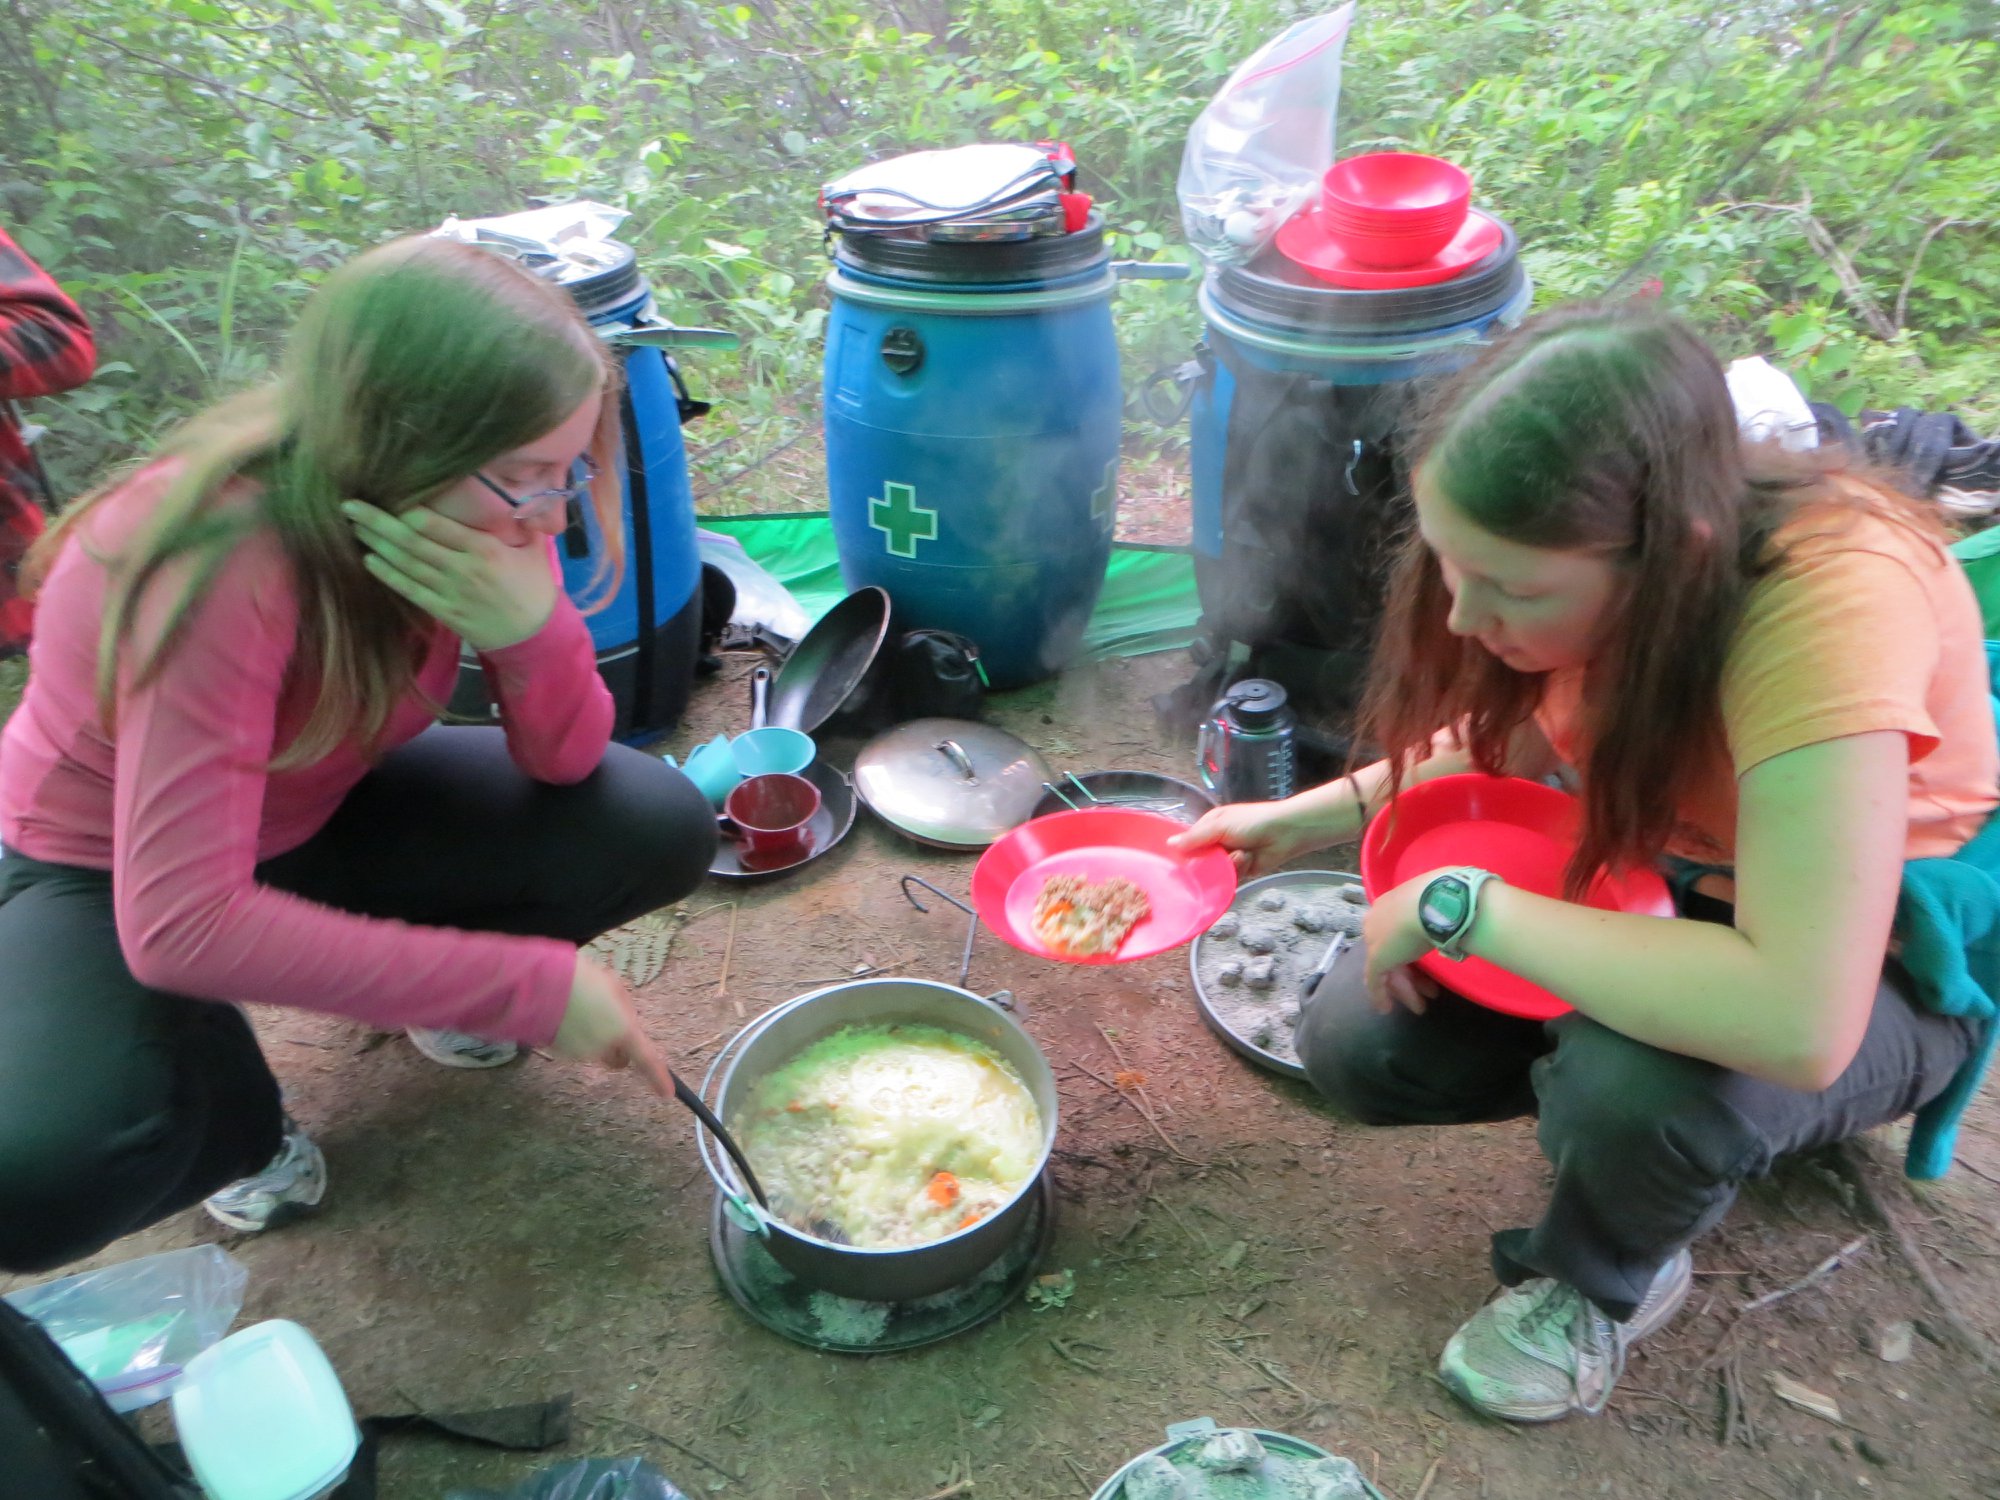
(1256,154)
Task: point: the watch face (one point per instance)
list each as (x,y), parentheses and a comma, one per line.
(1443,906)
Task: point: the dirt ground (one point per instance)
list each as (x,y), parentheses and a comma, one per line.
(500,1237)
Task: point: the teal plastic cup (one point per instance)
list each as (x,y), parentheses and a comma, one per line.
(773,751)
(712,768)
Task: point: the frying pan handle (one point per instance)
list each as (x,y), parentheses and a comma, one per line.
(954,752)
(760,697)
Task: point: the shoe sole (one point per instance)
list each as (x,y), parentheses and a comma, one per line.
(1671,1303)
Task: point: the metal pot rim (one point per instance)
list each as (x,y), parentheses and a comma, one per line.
(723,1173)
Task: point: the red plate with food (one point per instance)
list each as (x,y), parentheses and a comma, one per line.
(1099,886)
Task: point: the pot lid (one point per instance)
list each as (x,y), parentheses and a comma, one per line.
(950,781)
(1201,1461)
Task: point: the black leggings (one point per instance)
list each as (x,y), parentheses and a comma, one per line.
(121,1104)
(1648,1146)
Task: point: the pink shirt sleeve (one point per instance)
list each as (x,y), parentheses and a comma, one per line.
(554,706)
(192,747)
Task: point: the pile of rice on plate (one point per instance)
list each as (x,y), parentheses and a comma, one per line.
(891,1135)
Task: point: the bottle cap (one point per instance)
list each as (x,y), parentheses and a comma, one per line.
(1256,702)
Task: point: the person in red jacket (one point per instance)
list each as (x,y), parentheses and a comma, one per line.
(45,347)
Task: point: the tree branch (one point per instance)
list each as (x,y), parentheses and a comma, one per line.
(1923,245)
(208,83)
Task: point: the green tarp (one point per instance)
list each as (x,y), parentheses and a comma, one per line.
(1980,554)
(1148,603)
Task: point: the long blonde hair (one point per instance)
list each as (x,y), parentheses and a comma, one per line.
(412,366)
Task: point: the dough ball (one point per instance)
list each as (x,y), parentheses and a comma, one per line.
(1261,975)
(1231,973)
(1258,940)
(1153,1478)
(1271,901)
(1231,1451)
(1226,925)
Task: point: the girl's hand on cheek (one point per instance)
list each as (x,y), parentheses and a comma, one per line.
(491,594)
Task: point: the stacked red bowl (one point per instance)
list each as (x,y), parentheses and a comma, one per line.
(1390,209)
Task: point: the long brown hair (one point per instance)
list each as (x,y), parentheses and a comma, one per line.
(412,366)
(1602,429)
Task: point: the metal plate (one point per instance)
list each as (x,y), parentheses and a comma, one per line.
(1246,901)
(1148,791)
(1278,1478)
(775,1298)
(829,827)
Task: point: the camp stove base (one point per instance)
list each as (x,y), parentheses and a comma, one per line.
(774,1297)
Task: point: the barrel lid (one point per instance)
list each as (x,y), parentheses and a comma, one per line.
(954,783)
(1255,702)
(1203,1461)
(904,257)
(1273,291)
(600,274)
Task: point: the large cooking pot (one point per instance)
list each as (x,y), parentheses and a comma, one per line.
(773,1039)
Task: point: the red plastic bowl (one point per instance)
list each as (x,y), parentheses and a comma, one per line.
(1187,891)
(1523,832)
(1389,190)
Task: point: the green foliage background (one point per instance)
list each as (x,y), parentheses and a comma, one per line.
(1811,180)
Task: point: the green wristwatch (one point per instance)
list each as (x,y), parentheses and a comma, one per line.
(1449,906)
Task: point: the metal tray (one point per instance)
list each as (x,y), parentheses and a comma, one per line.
(1146,790)
(1246,897)
(829,827)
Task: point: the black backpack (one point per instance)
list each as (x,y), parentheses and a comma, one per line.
(58,1439)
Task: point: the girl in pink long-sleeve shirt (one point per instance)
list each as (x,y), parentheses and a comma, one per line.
(226,782)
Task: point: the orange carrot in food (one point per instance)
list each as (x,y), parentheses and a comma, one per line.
(943,1190)
(970,1219)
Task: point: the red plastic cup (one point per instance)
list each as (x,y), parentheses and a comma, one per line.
(1076,211)
(773,814)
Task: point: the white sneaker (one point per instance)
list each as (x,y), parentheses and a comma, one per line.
(1544,1350)
(291,1185)
(454,1049)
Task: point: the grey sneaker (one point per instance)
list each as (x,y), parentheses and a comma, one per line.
(454,1049)
(1544,1350)
(291,1185)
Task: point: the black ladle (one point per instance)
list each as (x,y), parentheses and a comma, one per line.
(699,1108)
(825,1229)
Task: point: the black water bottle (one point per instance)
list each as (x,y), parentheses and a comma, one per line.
(1247,749)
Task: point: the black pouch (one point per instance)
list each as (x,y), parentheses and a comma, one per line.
(935,674)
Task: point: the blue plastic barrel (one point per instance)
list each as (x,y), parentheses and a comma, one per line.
(1276,318)
(647,632)
(973,409)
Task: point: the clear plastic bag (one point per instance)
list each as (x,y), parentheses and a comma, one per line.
(586,1479)
(132,1329)
(1257,153)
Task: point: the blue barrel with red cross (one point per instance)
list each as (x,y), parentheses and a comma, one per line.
(973,410)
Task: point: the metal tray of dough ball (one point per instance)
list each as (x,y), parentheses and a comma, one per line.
(1148,791)
(1311,948)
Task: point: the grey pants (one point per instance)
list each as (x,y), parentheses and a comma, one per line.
(1648,1146)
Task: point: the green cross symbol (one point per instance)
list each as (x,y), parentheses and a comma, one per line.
(904,522)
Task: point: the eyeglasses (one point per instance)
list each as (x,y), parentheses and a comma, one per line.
(583,473)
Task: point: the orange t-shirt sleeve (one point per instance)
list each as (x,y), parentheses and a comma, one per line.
(1842,640)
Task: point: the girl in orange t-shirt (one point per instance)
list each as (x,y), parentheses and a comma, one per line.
(1739,655)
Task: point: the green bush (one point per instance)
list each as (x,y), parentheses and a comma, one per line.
(1809,181)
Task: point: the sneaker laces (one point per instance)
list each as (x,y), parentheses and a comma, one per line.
(1578,1327)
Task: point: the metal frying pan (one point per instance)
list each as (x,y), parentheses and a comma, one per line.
(825,667)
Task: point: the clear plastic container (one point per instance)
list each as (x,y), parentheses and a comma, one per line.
(261,1416)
